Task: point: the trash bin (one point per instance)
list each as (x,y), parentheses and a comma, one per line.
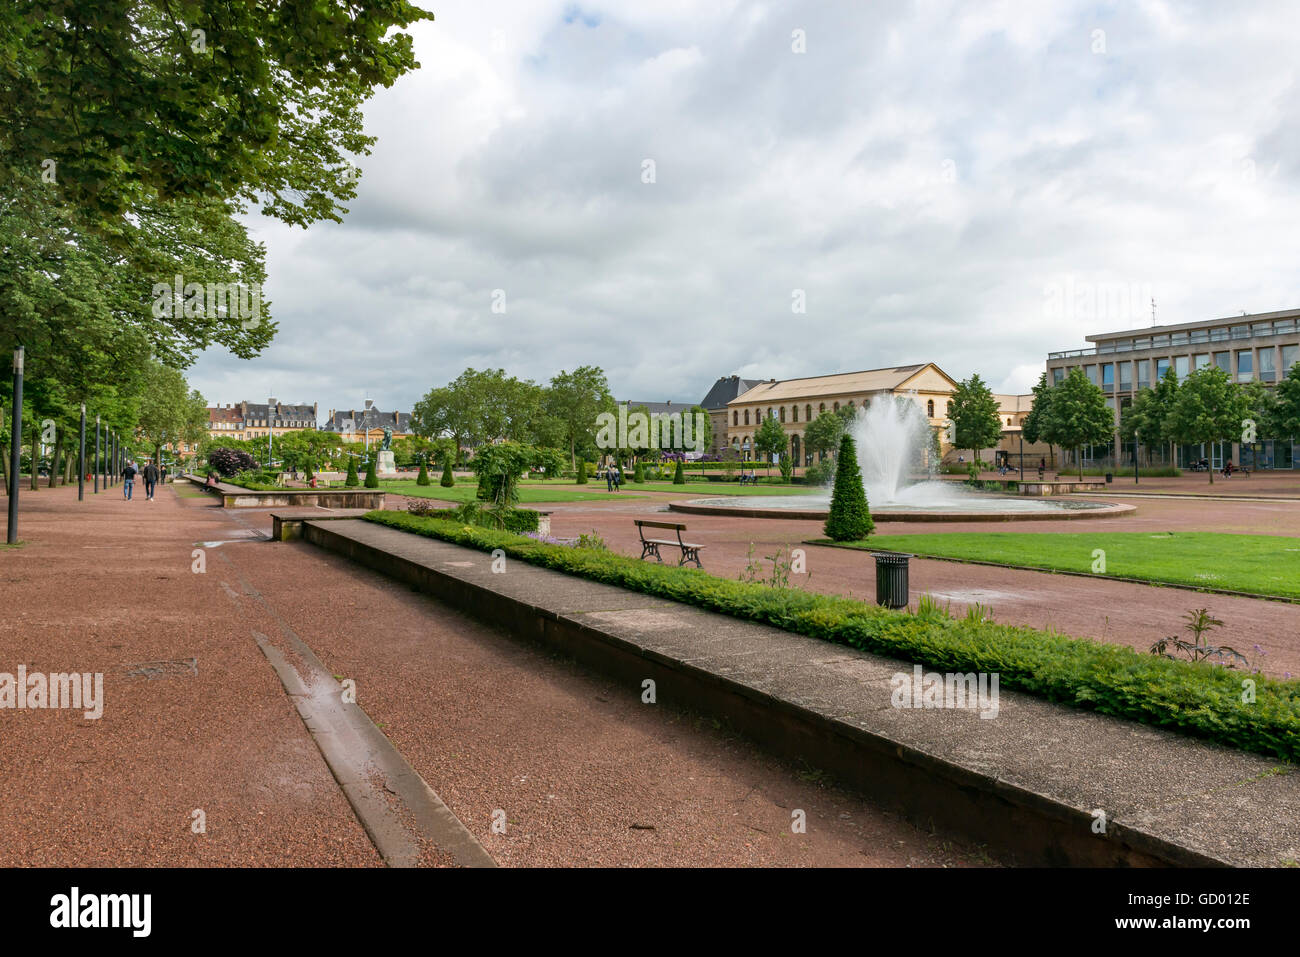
(1110,477)
(891,579)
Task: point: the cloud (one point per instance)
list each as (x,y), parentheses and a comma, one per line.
(924,173)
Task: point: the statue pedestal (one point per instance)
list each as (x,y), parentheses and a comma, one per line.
(384,466)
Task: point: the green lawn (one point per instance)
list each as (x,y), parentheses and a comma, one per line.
(1261,564)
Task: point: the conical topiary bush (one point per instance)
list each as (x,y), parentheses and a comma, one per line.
(679,474)
(447,480)
(423,477)
(352,481)
(372,476)
(849,519)
(581,478)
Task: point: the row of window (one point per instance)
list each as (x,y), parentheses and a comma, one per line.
(808,412)
(279,424)
(1279,327)
(1245,364)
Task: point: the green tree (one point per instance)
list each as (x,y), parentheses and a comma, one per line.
(849,519)
(573,401)
(1080,415)
(770,440)
(1036,425)
(1210,408)
(182,98)
(448,480)
(974,414)
(352,481)
(1159,406)
(823,433)
(580,477)
(372,475)
(423,477)
(1286,412)
(679,474)
(170,413)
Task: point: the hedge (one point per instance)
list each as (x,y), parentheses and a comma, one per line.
(1197,699)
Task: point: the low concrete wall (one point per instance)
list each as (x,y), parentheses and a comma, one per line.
(1023,825)
(1060,488)
(322,498)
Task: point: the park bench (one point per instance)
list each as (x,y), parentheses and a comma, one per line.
(650,546)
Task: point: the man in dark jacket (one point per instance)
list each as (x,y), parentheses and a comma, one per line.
(150,480)
(128,480)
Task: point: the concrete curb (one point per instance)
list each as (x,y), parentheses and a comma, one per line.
(1028,825)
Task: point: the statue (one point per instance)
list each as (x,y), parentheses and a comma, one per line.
(388,439)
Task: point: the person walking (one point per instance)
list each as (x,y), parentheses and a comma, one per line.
(609,478)
(150,474)
(128,480)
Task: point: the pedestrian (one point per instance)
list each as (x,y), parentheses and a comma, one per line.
(128,480)
(609,478)
(150,474)
(618,477)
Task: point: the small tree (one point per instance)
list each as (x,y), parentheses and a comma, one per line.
(850,518)
(581,477)
(638,473)
(1037,423)
(1210,408)
(769,440)
(423,477)
(679,474)
(352,481)
(1080,415)
(447,480)
(372,475)
(976,423)
(230,461)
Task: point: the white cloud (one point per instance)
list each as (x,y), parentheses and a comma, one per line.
(922,172)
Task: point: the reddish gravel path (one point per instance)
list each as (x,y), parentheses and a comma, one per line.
(103,586)
(1131,614)
(585,772)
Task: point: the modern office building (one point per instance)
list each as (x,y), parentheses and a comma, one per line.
(1250,348)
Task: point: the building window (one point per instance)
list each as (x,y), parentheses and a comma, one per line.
(735,417)
(837,407)
(794,413)
(1266,371)
(1245,366)
(948,408)
(1181,367)
(1290,355)
(1201,360)
(1162,366)
(1108,375)
(1224,361)
(821,407)
(1058,376)
(747,417)
(1125,376)
(929,408)
(807,413)
(782,413)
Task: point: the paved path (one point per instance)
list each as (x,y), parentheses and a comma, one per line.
(584,775)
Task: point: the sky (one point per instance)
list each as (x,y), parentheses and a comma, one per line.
(680,190)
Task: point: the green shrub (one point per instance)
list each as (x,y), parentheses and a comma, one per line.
(1196,699)
(447,480)
(849,519)
(679,474)
(638,473)
(423,477)
(581,477)
(352,481)
(818,474)
(372,476)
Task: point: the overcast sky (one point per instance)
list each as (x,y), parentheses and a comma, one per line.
(973,184)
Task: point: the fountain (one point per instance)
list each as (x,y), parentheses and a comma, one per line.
(893,443)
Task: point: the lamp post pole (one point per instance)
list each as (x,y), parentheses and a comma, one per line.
(81,457)
(15,446)
(96,463)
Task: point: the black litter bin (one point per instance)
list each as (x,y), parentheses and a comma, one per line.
(891,579)
(1110,477)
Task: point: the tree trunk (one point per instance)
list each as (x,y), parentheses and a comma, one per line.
(36,439)
(1078,455)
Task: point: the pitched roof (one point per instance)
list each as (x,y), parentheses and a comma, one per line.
(348,421)
(840,383)
(725,389)
(668,406)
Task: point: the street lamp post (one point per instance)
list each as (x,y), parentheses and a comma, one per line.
(15,446)
(97,465)
(81,457)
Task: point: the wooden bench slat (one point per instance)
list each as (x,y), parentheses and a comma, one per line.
(647,524)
